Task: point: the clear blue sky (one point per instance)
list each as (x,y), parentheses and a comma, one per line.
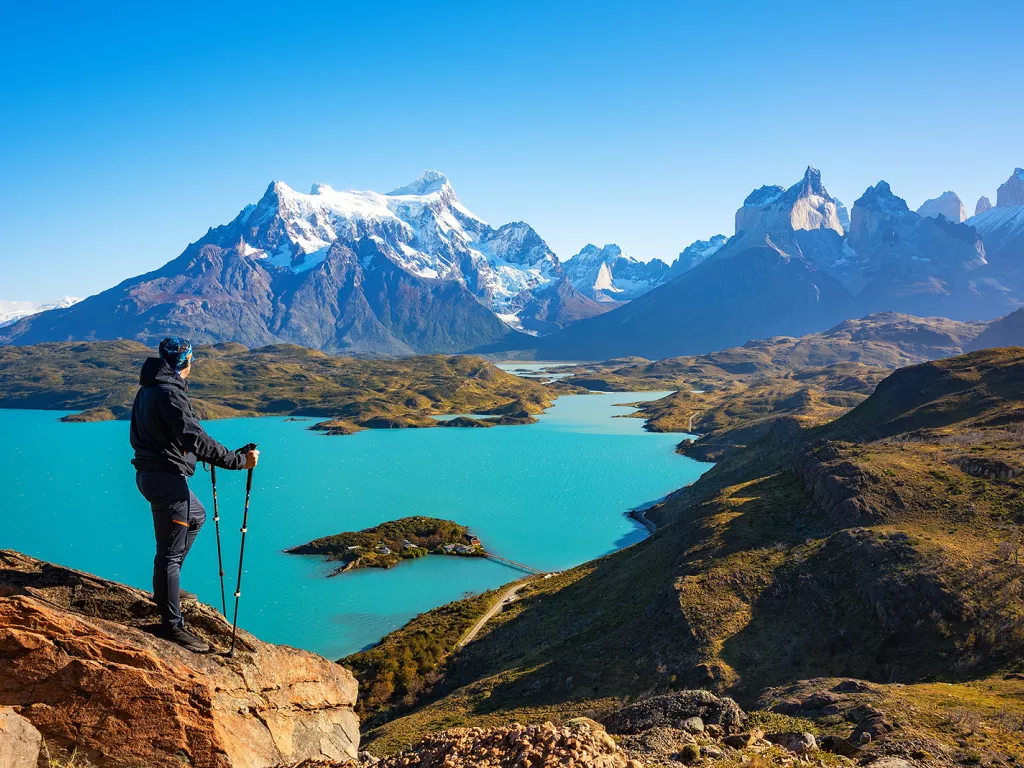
(126,132)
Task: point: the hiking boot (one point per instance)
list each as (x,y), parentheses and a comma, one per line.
(185,639)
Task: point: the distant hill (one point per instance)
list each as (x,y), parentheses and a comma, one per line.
(1005,332)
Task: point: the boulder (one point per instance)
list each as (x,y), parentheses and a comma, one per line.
(19,741)
(692,725)
(853,686)
(798,743)
(79,657)
(838,745)
(671,709)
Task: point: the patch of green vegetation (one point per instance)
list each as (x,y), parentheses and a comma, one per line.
(387,544)
(101,378)
(403,668)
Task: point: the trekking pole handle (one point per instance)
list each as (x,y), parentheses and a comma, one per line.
(246,448)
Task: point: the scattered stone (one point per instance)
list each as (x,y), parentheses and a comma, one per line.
(673,708)
(712,753)
(819,700)
(788,706)
(853,686)
(890,762)
(513,746)
(838,745)
(19,740)
(714,731)
(742,740)
(693,725)
(798,743)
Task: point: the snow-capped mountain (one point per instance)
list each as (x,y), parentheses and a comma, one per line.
(795,266)
(409,271)
(11,311)
(608,275)
(696,253)
(1002,229)
(422,227)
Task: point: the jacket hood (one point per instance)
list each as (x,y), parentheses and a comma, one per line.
(156,371)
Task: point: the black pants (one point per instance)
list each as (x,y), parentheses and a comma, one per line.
(177,518)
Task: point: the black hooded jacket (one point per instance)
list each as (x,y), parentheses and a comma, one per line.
(165,433)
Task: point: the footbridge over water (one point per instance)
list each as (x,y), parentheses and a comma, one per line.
(514,564)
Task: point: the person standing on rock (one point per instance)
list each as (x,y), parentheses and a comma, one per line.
(168,441)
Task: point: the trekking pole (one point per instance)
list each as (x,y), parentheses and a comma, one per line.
(216,525)
(241,550)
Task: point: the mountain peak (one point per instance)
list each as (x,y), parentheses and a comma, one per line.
(319,188)
(426,183)
(880,197)
(948,205)
(1011,192)
(812,182)
(805,205)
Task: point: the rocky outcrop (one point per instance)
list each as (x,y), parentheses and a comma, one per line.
(673,709)
(948,204)
(19,741)
(984,204)
(806,205)
(79,659)
(990,469)
(1011,191)
(836,485)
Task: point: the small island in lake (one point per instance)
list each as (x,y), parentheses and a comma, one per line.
(384,545)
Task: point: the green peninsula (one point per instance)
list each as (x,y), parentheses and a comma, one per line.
(100,379)
(385,545)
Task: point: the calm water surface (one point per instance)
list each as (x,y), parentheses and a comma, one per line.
(551,495)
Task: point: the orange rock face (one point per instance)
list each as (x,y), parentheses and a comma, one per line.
(79,660)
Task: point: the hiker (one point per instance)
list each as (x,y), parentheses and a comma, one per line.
(168,441)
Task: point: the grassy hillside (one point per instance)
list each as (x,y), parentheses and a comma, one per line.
(229,380)
(885,340)
(883,545)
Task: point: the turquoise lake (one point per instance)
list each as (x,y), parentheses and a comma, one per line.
(551,495)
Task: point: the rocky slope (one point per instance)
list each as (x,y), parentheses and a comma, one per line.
(696,253)
(81,663)
(410,271)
